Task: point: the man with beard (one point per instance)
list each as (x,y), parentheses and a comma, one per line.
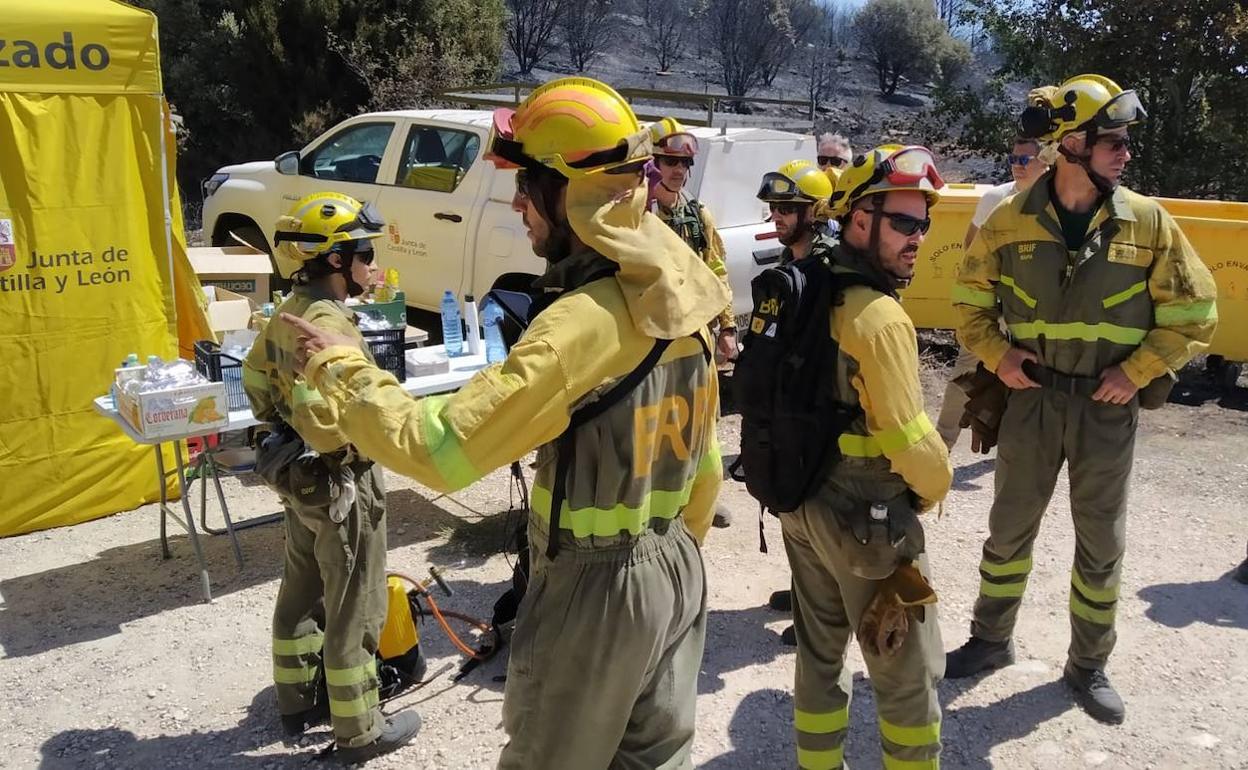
(856,547)
(1104,300)
(332,601)
(613,384)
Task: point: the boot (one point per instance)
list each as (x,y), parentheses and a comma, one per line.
(297,724)
(1241,572)
(789,637)
(781,601)
(978,655)
(398,731)
(1095,694)
(722,518)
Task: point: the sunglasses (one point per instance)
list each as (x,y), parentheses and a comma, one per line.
(1020,160)
(904,223)
(835,161)
(668,160)
(1116,143)
(522,183)
(786,209)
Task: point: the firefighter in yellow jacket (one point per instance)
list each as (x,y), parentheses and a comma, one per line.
(859,571)
(609,636)
(332,601)
(1104,300)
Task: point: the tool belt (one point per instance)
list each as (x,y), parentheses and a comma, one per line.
(1151,396)
(875,549)
(302,475)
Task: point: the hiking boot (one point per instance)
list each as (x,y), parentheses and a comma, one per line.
(1241,572)
(398,731)
(1095,694)
(781,601)
(789,637)
(722,518)
(297,724)
(978,655)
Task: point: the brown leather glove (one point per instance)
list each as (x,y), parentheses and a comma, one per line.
(985,405)
(900,597)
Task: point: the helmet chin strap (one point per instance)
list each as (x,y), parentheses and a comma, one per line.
(1102,185)
(665,187)
(353,289)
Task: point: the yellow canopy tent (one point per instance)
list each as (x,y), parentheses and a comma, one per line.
(91,250)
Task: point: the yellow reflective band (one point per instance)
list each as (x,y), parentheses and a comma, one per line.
(301,646)
(821,723)
(254,377)
(1122,335)
(1091,614)
(605,522)
(912,737)
(1186,313)
(854,445)
(1002,590)
(443,446)
(356,707)
(347,677)
(1123,296)
(893,763)
(303,395)
(965,295)
(906,436)
(292,675)
(826,759)
(1016,567)
(1107,595)
(1026,298)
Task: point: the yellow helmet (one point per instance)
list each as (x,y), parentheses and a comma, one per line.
(798,181)
(833,174)
(670,138)
(887,168)
(576,126)
(1080,102)
(319,224)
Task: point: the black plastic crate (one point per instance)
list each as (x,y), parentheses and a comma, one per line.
(386,345)
(222,367)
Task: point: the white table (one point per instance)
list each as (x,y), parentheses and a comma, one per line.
(462,368)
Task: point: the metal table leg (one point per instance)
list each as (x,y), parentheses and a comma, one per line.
(189,522)
(164,502)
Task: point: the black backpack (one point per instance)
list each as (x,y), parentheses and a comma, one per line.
(784,384)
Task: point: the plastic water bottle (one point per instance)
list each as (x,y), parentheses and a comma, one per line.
(492,320)
(452,334)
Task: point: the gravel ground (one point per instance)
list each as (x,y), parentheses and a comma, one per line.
(110,659)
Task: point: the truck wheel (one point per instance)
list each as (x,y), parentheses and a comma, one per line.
(253,236)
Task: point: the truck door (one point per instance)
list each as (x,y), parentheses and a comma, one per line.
(350,160)
(430,205)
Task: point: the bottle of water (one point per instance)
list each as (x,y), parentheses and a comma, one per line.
(492,320)
(452,334)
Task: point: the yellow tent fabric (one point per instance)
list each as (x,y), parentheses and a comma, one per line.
(88,253)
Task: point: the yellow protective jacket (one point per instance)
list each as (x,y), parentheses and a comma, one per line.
(1135,294)
(270,373)
(652,456)
(892,444)
(692,221)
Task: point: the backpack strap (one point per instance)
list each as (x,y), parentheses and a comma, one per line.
(565,445)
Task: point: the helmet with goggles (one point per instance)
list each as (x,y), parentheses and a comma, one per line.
(888,168)
(670,139)
(1081,103)
(574,126)
(798,181)
(323,223)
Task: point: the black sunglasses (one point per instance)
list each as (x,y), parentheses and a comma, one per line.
(668,160)
(835,161)
(1020,160)
(522,183)
(787,209)
(1116,143)
(904,223)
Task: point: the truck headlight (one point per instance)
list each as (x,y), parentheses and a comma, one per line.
(212,183)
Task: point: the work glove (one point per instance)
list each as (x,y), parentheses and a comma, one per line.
(985,406)
(900,598)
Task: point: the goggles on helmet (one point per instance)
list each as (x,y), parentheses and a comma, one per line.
(1123,110)
(781,189)
(907,166)
(677,144)
(505,152)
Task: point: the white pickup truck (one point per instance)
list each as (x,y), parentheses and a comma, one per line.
(448,211)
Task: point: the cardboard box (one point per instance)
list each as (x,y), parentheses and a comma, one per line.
(227,311)
(194,410)
(240,269)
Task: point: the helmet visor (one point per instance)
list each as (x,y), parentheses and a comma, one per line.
(501,148)
(683,144)
(778,187)
(911,165)
(1123,110)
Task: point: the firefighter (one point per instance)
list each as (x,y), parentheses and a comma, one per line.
(1104,300)
(332,601)
(856,548)
(608,640)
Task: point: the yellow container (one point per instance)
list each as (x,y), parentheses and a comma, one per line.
(1216,229)
(399,634)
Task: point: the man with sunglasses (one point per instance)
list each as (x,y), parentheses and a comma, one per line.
(797,195)
(332,601)
(834,153)
(1025,168)
(613,384)
(856,546)
(1104,300)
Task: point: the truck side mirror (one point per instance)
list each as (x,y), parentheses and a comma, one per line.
(288,163)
